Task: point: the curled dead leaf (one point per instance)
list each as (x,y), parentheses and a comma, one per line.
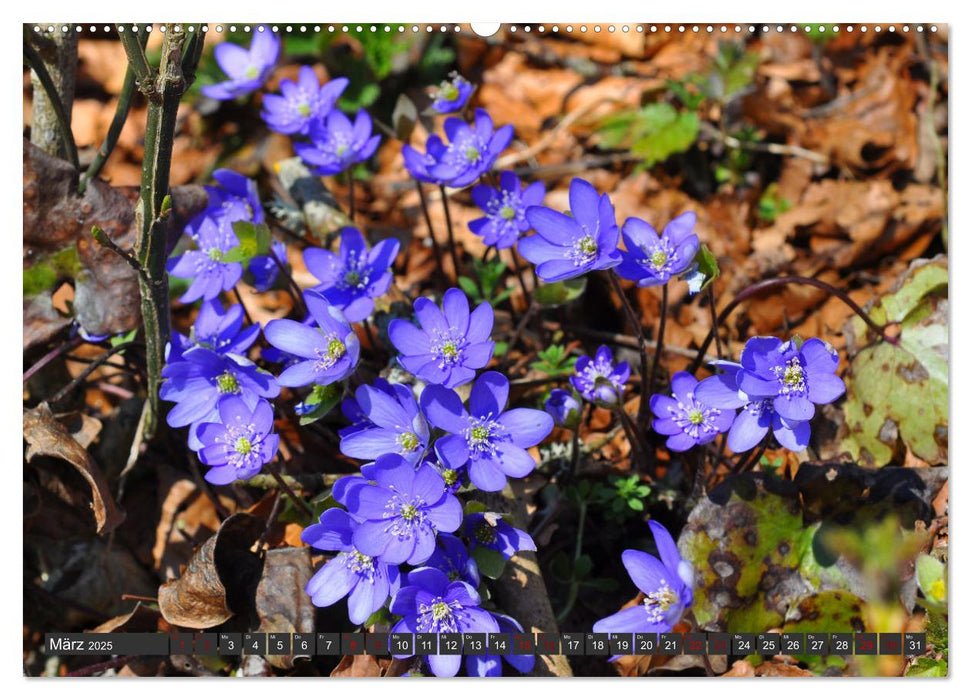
(220,579)
(47,437)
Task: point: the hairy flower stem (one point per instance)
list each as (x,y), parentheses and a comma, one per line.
(641,346)
(658,350)
(575,454)
(571,598)
(239,300)
(292,289)
(163,89)
(514,264)
(640,455)
(297,501)
(451,233)
(431,231)
(714,322)
(51,356)
(86,372)
(775,282)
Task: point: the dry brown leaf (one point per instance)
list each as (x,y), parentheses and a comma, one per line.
(220,578)
(47,437)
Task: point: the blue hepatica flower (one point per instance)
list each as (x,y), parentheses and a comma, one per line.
(505,210)
(489,665)
(265,269)
(401,512)
(218,330)
(197,381)
(209,274)
(451,343)
(355,414)
(489,530)
(336,143)
(352,279)
(667,584)
(569,246)
(684,418)
(452,558)
(452,94)
(367,582)
(564,408)
(489,439)
(792,377)
(394,424)
(652,260)
(431,603)
(756,417)
(472,150)
(233,198)
(328,353)
(598,379)
(301,103)
(241,442)
(247,70)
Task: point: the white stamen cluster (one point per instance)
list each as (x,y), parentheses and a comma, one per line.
(792,377)
(438,616)
(693,417)
(360,564)
(480,435)
(583,251)
(659,602)
(328,356)
(447,347)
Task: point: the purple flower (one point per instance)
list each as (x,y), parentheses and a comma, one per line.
(685,419)
(667,583)
(650,259)
(394,424)
(569,246)
(336,144)
(234,197)
(355,414)
(756,417)
(563,408)
(431,603)
(247,70)
(215,329)
(452,558)
(301,102)
(329,352)
(489,530)
(197,381)
(353,279)
(451,343)
(365,580)
(598,379)
(489,665)
(505,210)
(793,378)
(210,276)
(452,94)
(491,440)
(264,268)
(471,151)
(402,511)
(241,442)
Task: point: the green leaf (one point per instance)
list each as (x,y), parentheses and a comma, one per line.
(703,271)
(897,395)
(474,507)
(468,285)
(322,399)
(931,578)
(654,132)
(753,557)
(489,561)
(925,667)
(117,340)
(559,293)
(254,240)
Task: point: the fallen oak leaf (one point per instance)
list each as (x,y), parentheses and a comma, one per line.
(46,436)
(219,581)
